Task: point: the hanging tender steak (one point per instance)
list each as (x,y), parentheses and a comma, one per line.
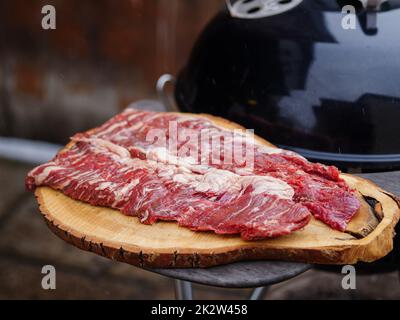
(121,165)
(316,186)
(100,173)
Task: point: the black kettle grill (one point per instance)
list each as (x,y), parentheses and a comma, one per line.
(291,71)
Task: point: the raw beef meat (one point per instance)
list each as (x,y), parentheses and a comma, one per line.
(100,173)
(124,164)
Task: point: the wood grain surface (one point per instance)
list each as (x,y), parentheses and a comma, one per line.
(107,232)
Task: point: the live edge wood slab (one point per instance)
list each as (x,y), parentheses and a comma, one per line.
(109,233)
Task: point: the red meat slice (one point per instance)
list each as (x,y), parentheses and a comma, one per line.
(100,174)
(113,165)
(316,186)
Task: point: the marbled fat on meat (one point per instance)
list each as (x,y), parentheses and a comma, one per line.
(115,165)
(98,174)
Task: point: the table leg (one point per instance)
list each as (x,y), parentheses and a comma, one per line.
(258,293)
(183,290)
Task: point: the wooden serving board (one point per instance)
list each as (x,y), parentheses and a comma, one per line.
(109,233)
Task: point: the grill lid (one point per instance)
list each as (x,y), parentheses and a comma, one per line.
(303,82)
(253,9)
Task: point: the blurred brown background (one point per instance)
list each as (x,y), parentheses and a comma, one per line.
(103,55)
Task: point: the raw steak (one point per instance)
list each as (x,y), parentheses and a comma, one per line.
(100,173)
(316,186)
(124,165)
